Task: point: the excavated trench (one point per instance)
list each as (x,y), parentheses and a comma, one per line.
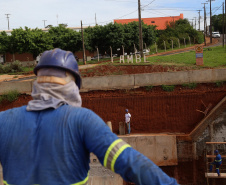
(153,110)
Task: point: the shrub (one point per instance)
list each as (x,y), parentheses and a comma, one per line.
(11,67)
(190,85)
(219,83)
(16,66)
(148,88)
(10,96)
(168,88)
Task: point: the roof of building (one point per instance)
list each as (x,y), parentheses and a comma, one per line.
(160,22)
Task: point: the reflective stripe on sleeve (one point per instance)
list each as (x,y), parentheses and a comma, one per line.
(5,182)
(84,182)
(218,160)
(113,151)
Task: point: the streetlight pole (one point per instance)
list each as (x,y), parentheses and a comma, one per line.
(204,22)
(210,21)
(7,16)
(83,46)
(140,31)
(44,23)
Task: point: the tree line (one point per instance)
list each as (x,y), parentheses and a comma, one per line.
(113,35)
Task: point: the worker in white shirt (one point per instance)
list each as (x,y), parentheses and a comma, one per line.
(127,120)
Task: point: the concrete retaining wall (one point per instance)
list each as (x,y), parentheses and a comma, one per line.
(132,81)
(155,79)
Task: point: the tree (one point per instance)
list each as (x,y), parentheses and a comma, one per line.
(28,40)
(116,35)
(217,22)
(65,38)
(180,29)
(4,42)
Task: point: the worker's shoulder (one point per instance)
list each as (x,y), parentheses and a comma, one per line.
(75,110)
(15,109)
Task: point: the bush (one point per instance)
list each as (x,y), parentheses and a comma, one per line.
(11,67)
(148,88)
(219,83)
(190,86)
(168,88)
(10,96)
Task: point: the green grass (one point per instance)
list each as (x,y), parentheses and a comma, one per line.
(215,57)
(168,88)
(10,96)
(190,85)
(220,83)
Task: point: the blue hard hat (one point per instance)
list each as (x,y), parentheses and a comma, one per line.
(216,151)
(60,59)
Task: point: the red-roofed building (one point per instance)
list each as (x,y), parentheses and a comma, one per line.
(160,22)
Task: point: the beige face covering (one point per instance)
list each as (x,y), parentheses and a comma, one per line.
(54,75)
(52,89)
(57,80)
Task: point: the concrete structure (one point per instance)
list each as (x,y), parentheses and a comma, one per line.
(161,149)
(155,79)
(159,22)
(131,81)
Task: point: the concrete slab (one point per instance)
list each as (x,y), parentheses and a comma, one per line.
(201,76)
(148,79)
(20,86)
(215,175)
(161,149)
(175,78)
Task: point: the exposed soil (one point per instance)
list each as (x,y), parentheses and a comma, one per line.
(103,70)
(153,109)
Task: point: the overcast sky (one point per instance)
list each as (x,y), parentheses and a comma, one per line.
(31,13)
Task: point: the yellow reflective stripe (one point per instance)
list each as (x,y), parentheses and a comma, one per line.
(5,182)
(82,182)
(218,160)
(109,150)
(117,154)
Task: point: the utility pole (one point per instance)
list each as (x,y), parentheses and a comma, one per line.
(223,30)
(44,23)
(204,22)
(225,17)
(192,23)
(83,46)
(95,19)
(195,23)
(199,18)
(7,17)
(140,31)
(210,21)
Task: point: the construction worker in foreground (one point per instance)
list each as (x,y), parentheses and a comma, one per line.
(217,162)
(49,141)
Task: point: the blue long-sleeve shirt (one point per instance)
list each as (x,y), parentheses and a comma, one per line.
(52,147)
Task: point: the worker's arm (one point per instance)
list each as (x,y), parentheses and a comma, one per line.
(120,157)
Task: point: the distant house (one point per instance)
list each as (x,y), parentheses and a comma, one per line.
(160,22)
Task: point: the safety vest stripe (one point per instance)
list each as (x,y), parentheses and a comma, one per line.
(218,160)
(5,182)
(84,182)
(109,150)
(113,152)
(116,156)
(115,149)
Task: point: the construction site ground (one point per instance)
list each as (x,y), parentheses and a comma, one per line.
(153,110)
